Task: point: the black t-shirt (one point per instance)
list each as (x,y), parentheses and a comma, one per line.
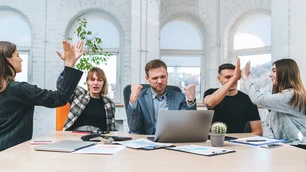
(93,115)
(235,111)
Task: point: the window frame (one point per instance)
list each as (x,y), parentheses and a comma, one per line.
(248,51)
(201,30)
(28,50)
(117,51)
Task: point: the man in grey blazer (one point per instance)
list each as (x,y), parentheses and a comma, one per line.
(144,104)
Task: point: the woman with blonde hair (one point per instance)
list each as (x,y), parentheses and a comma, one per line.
(287,104)
(18,99)
(91,110)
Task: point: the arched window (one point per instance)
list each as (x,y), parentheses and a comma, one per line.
(18,32)
(105,27)
(252,42)
(181,49)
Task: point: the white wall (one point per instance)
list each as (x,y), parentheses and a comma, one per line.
(288,32)
(141,21)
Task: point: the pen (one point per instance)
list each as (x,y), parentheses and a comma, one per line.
(42,141)
(255,140)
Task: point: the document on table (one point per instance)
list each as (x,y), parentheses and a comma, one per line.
(202,150)
(144,144)
(101,149)
(255,141)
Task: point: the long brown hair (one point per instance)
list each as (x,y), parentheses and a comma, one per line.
(101,75)
(288,76)
(7,70)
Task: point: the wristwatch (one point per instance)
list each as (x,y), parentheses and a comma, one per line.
(191,101)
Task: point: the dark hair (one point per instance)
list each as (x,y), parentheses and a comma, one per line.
(288,76)
(7,70)
(101,75)
(156,63)
(226,66)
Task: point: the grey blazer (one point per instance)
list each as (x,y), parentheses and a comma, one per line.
(141,119)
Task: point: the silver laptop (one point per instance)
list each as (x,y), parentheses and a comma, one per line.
(183,125)
(64,146)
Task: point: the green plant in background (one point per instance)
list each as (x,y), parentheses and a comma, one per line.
(219,128)
(94,54)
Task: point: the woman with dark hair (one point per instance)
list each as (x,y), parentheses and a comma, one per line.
(17,99)
(287,104)
(91,110)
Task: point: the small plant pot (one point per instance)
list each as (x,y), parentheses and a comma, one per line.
(217,140)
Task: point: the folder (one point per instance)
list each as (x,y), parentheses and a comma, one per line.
(201,150)
(255,141)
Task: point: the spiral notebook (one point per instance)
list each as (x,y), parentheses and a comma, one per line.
(201,150)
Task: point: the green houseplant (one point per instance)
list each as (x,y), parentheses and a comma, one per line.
(217,135)
(94,54)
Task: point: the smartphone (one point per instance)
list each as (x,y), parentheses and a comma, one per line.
(269,146)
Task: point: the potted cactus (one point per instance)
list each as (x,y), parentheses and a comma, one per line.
(217,135)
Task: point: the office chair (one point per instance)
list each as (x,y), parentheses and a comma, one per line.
(127,92)
(247,128)
(61,116)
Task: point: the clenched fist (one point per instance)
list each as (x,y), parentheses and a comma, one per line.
(190,91)
(135,91)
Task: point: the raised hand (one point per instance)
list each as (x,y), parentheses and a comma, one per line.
(190,91)
(78,50)
(135,91)
(246,70)
(237,72)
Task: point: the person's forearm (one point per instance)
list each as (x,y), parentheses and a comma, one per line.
(258,133)
(215,98)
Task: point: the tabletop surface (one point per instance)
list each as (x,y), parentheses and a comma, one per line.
(246,158)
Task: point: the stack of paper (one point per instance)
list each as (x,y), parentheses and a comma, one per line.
(101,149)
(144,144)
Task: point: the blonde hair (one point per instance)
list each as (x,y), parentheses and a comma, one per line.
(101,75)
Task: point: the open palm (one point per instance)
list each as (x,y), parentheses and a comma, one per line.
(78,51)
(246,70)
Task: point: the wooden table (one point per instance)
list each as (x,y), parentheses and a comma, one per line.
(247,158)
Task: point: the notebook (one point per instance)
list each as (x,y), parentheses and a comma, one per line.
(183,125)
(201,150)
(64,146)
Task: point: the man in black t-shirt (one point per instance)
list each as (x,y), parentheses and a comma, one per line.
(232,106)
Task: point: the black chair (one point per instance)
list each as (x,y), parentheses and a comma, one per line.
(247,128)
(127,92)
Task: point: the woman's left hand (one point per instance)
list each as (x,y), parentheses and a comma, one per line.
(246,70)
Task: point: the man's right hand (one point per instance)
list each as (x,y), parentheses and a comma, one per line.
(237,72)
(135,91)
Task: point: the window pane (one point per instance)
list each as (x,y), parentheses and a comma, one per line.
(23,75)
(182,61)
(260,70)
(253,32)
(110,70)
(101,26)
(184,70)
(183,76)
(18,31)
(180,35)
